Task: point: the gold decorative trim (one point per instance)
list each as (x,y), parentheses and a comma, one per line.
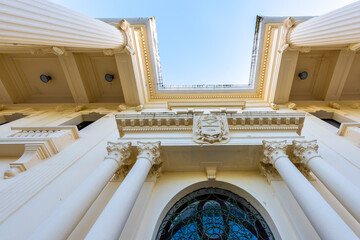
(150,81)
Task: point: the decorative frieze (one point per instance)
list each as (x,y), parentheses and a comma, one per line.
(247,120)
(40,143)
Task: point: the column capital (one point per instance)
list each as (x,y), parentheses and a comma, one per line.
(119,152)
(150,151)
(274,150)
(305,150)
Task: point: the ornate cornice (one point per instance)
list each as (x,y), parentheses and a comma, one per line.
(247,120)
(273,151)
(149,151)
(304,151)
(119,152)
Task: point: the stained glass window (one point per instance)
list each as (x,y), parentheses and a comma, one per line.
(213,214)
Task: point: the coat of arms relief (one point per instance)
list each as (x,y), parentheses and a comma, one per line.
(210,128)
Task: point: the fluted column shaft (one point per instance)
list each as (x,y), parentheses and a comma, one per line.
(65,218)
(113,218)
(339,27)
(40,22)
(324,219)
(344,190)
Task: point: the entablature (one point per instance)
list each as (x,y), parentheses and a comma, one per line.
(245,120)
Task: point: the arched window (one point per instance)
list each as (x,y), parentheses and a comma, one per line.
(213,214)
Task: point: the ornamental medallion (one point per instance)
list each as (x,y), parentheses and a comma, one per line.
(211,128)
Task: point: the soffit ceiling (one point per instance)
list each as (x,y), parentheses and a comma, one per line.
(351,89)
(21,75)
(93,67)
(327,71)
(320,66)
(77,77)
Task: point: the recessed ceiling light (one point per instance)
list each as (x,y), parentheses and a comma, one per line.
(45,78)
(109,77)
(303,75)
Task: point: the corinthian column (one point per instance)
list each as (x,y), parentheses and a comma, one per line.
(65,218)
(344,190)
(40,22)
(339,27)
(324,219)
(112,220)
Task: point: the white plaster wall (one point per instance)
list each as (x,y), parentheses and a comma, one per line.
(89,151)
(336,150)
(86,153)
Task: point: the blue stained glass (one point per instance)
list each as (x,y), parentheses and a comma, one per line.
(213,214)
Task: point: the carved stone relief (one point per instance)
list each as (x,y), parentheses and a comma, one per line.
(211,128)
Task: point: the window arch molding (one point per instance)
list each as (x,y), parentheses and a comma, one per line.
(221,185)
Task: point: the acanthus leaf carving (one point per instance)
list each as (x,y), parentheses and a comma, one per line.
(149,151)
(304,151)
(274,150)
(119,152)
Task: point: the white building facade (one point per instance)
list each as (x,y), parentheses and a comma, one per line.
(93,144)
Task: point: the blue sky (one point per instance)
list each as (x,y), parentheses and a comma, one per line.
(203,41)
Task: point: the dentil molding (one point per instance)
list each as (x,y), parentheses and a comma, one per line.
(178,122)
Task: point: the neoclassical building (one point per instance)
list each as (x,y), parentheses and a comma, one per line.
(94,145)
